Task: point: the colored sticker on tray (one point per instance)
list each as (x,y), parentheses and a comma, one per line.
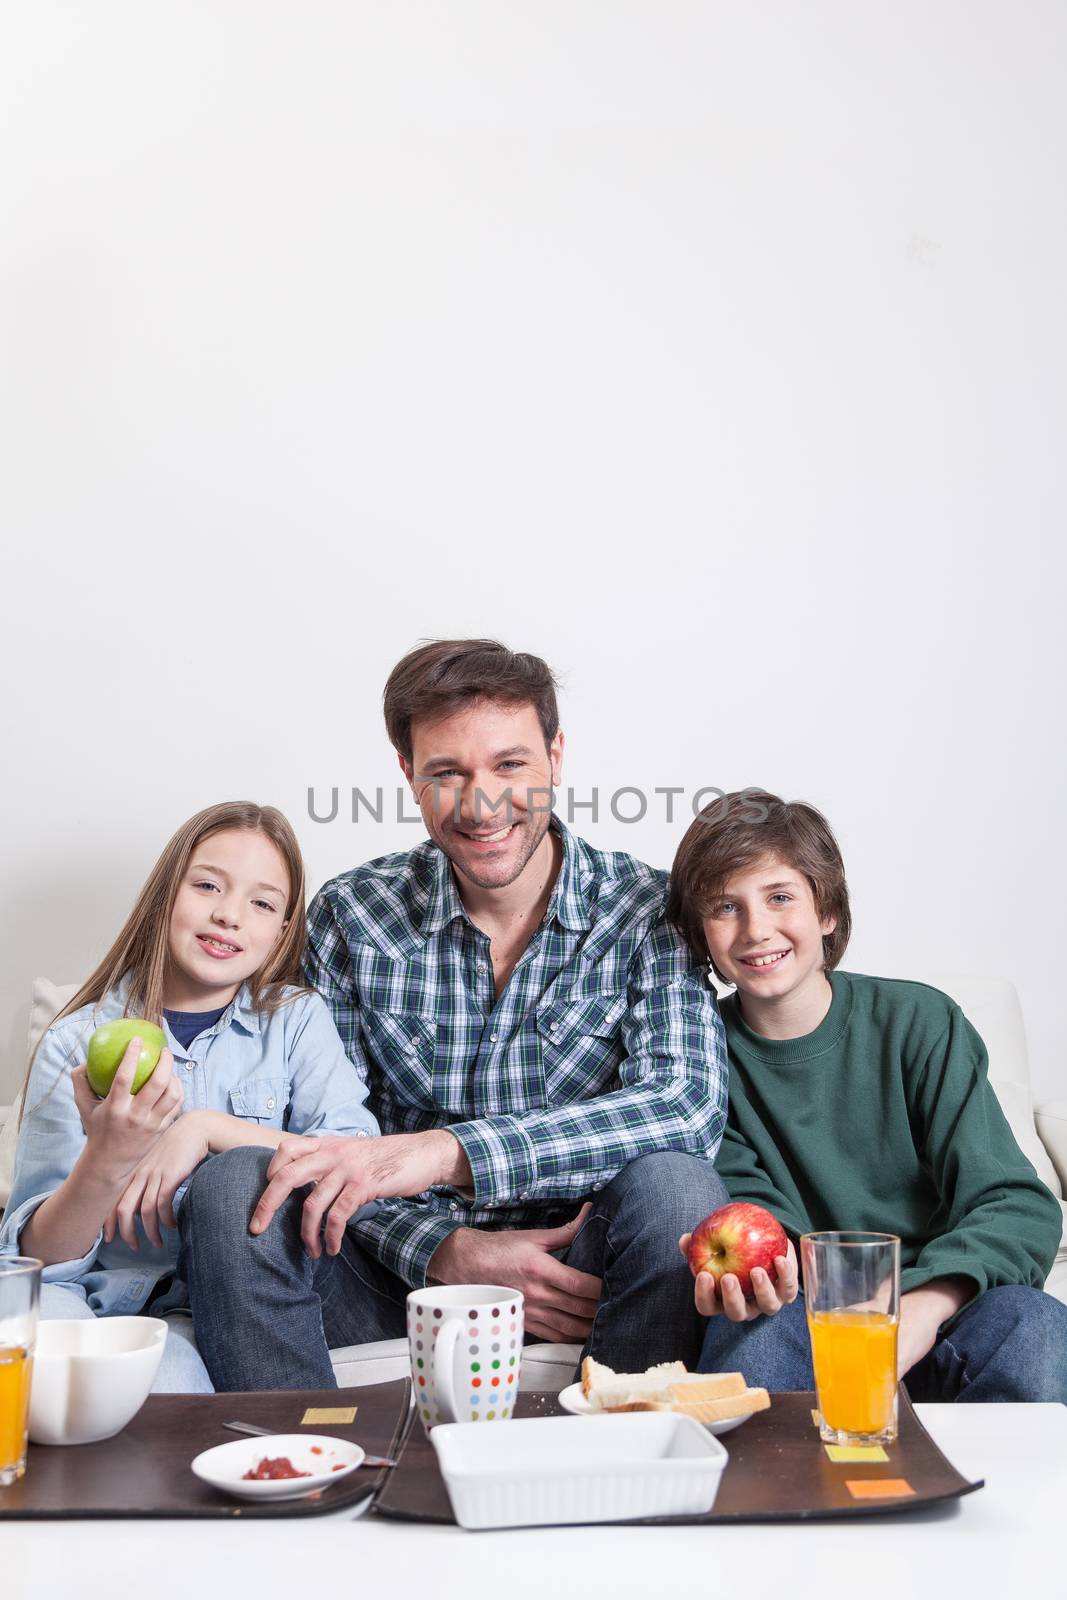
(336,1414)
(856,1452)
(878,1488)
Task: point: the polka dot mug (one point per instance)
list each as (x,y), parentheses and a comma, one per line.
(466,1351)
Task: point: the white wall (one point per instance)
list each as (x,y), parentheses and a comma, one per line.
(714,352)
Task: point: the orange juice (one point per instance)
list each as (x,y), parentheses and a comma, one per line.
(855,1358)
(16,1367)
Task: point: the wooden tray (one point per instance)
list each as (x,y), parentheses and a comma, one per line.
(144,1470)
(778,1471)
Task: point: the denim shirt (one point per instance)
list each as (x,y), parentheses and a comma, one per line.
(285,1069)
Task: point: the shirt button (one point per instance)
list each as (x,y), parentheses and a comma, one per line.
(270,1103)
(414,1042)
(492,1038)
(552,1027)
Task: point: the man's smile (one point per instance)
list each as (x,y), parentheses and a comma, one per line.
(485,839)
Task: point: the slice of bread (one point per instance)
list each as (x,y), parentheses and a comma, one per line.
(735,1405)
(722,1410)
(605,1388)
(667,1383)
(706,1386)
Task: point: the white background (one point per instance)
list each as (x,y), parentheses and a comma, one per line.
(715,352)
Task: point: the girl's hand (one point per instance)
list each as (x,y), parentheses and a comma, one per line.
(155,1181)
(726,1298)
(122,1128)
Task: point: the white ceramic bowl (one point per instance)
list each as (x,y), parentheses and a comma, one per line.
(327,1460)
(578,1469)
(90,1378)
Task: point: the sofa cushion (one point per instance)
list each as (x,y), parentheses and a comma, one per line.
(992,1006)
(46,1001)
(549,1367)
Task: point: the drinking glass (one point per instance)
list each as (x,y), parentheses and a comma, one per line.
(20,1282)
(852,1298)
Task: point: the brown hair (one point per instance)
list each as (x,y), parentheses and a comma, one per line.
(141,950)
(734,832)
(442,675)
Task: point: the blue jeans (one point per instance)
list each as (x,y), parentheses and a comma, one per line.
(1007,1344)
(180,1372)
(267,1315)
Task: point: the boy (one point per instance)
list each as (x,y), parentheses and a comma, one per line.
(860,1103)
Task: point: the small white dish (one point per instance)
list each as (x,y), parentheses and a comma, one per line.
(573,1400)
(556,1470)
(327,1461)
(91,1376)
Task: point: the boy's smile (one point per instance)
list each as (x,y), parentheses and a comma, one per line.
(765,935)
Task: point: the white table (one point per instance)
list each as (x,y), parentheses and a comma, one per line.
(1002,1540)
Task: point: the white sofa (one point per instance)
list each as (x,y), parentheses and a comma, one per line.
(992,1006)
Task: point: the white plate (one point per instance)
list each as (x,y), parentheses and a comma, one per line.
(573,1400)
(225,1465)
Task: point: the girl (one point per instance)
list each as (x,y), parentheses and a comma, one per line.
(211,952)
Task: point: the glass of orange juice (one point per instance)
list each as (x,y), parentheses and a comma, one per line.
(20,1282)
(852,1298)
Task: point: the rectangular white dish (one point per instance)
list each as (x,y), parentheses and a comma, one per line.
(554,1470)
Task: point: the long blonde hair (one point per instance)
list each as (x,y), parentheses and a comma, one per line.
(140,953)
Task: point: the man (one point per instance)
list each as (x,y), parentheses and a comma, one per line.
(535,1036)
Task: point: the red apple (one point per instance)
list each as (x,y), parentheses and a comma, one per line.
(735,1239)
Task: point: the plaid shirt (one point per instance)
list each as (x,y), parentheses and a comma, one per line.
(605,1045)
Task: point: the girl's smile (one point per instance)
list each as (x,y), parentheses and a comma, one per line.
(221,949)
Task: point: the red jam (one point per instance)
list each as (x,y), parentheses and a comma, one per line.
(274,1467)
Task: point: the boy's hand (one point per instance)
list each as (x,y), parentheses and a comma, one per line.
(726,1298)
(922,1311)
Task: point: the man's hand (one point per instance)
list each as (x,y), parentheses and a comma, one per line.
(347,1172)
(560,1302)
(922,1311)
(771,1293)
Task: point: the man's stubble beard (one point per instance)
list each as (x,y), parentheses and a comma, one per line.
(533,841)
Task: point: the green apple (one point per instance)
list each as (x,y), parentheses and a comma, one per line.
(108,1046)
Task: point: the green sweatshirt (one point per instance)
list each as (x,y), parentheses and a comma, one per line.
(883,1119)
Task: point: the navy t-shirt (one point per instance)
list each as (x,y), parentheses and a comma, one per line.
(188,1025)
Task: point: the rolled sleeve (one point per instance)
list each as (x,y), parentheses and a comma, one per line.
(57,1271)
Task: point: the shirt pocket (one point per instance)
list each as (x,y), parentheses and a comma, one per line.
(581,1043)
(401,1049)
(262,1100)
